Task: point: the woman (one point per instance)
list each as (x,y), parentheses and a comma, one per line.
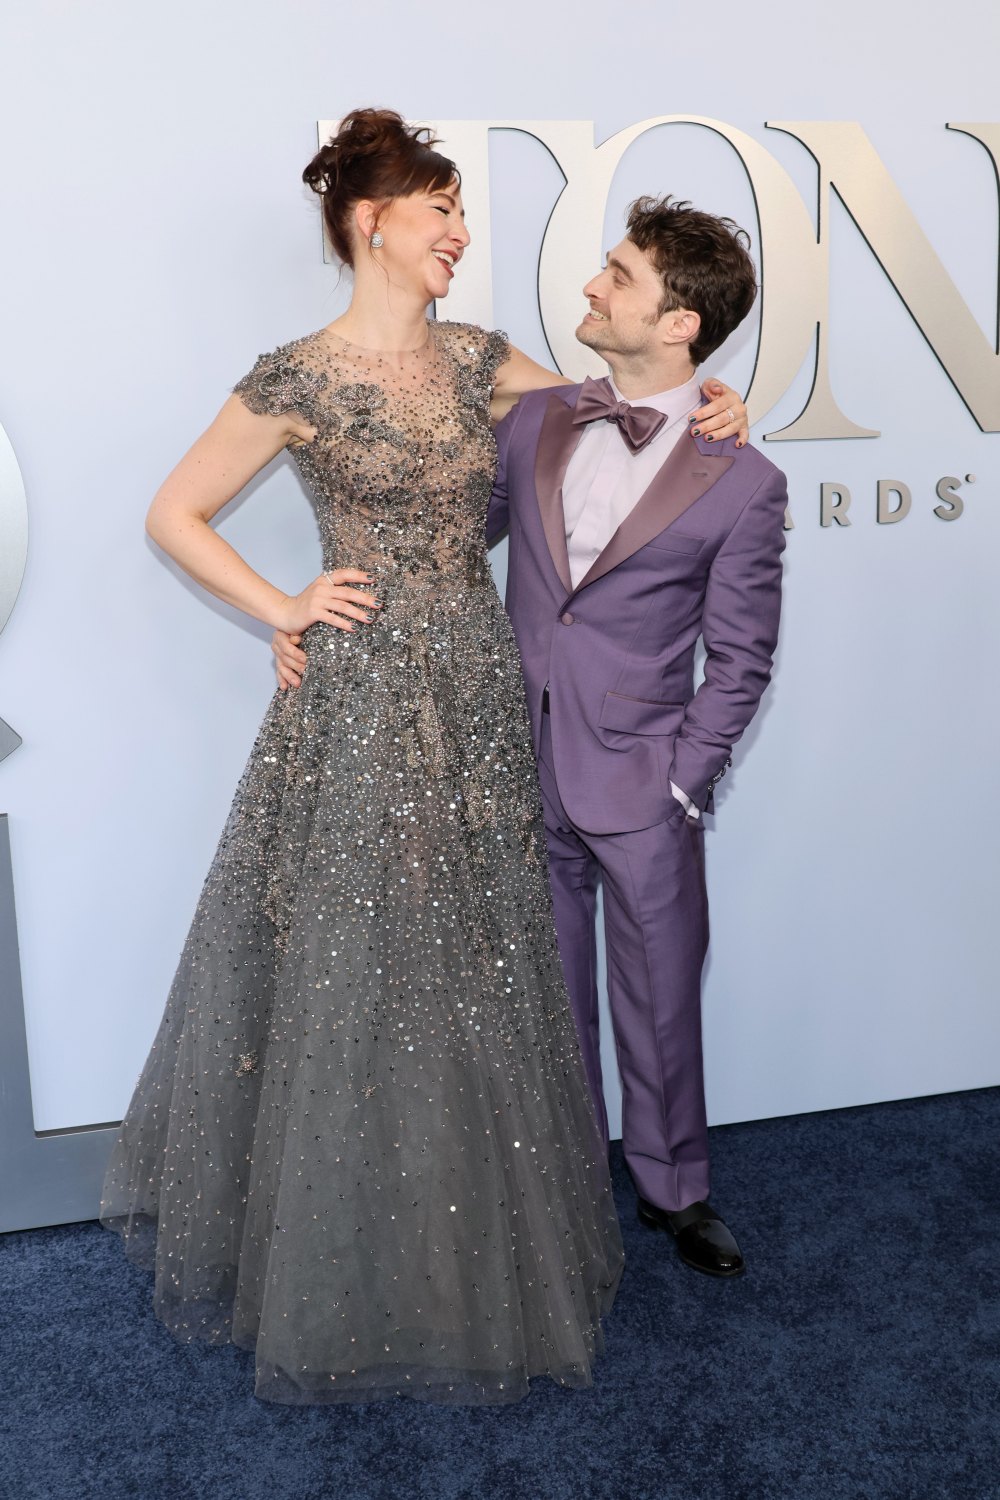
(362,1143)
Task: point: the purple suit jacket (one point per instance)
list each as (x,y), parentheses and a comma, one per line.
(699,555)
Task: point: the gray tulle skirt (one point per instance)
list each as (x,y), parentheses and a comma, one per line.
(362,1144)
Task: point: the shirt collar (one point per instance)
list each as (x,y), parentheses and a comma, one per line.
(677,403)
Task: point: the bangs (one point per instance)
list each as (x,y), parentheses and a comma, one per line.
(433,173)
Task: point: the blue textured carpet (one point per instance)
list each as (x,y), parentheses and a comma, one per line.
(858,1358)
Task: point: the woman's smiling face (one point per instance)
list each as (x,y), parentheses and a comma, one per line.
(424,238)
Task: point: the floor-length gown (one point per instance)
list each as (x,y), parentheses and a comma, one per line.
(362,1143)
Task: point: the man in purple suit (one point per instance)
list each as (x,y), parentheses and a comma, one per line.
(629,541)
(627,545)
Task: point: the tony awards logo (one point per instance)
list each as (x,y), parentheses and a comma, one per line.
(792,249)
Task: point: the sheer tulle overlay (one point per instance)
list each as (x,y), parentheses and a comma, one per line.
(362,1143)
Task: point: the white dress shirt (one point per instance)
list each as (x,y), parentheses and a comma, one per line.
(605,479)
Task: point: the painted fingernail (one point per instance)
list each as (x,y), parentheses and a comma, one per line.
(692,418)
(696,432)
(709,437)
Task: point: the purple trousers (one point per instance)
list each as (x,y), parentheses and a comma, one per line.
(656,936)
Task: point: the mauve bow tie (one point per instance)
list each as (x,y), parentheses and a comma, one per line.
(638,425)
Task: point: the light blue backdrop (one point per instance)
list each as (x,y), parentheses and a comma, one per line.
(157,238)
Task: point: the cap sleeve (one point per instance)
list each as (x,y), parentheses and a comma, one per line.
(278,383)
(478,353)
(496,350)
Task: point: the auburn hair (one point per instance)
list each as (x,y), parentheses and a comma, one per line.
(374,155)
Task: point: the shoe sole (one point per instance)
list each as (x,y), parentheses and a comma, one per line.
(649,1223)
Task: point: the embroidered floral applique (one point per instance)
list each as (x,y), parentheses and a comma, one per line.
(364,400)
(361,396)
(283,386)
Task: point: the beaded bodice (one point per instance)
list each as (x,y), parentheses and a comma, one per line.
(403,456)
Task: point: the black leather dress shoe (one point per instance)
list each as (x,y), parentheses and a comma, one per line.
(703,1241)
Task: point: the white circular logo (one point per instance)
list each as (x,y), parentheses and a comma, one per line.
(13,528)
(13,553)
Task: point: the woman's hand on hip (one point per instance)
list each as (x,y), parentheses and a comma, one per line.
(331,599)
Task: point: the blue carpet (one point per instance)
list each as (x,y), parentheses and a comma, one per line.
(859,1358)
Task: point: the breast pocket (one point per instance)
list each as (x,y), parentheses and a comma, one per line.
(677,541)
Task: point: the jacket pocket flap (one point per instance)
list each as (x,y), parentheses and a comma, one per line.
(640,715)
(676,541)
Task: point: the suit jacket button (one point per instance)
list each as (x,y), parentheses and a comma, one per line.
(567,618)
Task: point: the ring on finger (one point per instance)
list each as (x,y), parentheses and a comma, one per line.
(730,414)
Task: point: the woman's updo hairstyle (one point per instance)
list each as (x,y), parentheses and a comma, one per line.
(374,155)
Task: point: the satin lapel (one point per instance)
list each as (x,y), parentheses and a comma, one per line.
(683,479)
(556,442)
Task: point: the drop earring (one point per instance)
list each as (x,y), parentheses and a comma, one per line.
(376,241)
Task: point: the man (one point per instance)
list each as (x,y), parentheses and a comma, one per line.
(627,545)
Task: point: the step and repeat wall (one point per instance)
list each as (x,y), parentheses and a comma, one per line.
(157,238)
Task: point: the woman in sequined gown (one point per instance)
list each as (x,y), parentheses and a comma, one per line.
(362,1143)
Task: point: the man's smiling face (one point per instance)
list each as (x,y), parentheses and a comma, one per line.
(625,305)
